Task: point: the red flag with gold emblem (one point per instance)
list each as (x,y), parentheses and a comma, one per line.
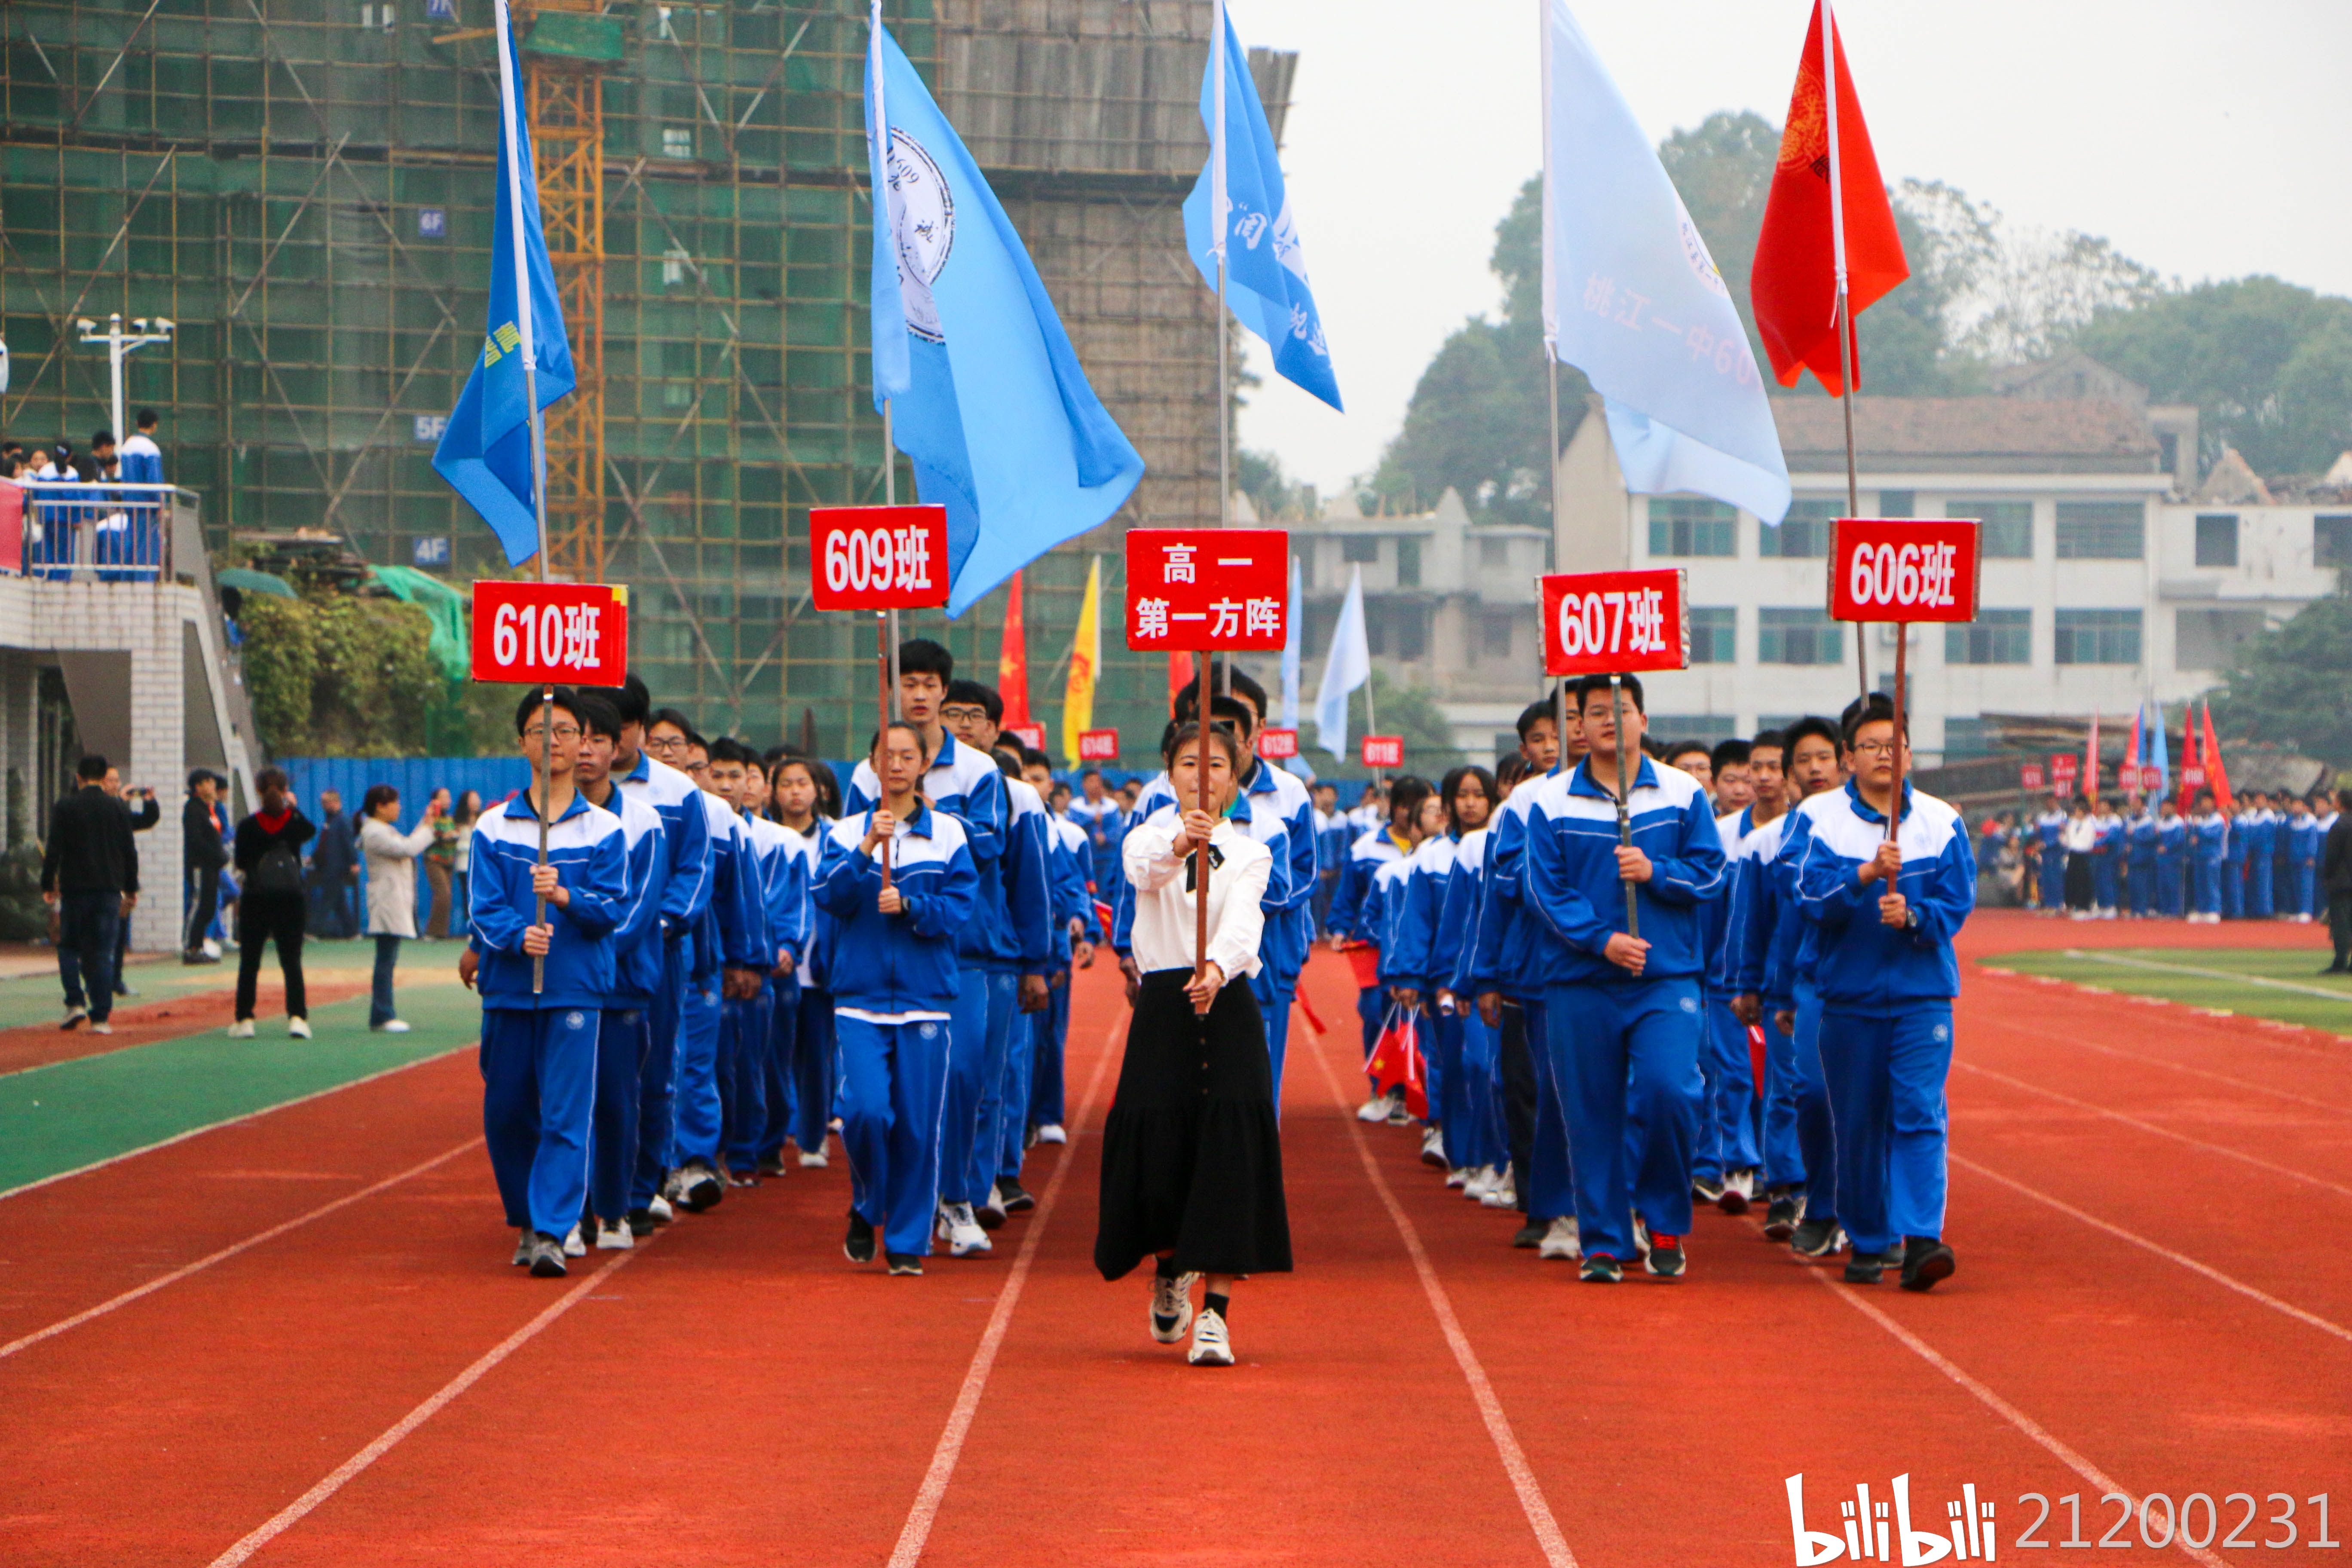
(1013,660)
(1793,287)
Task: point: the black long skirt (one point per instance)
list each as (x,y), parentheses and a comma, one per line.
(1191,1153)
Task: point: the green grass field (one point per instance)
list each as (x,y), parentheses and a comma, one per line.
(2258,982)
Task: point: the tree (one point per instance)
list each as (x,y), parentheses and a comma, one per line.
(336,674)
(1259,476)
(1408,711)
(2288,686)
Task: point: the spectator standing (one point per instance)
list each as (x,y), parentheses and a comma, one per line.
(334,870)
(272,902)
(469,811)
(89,875)
(204,854)
(2335,878)
(147,814)
(142,459)
(391,888)
(440,861)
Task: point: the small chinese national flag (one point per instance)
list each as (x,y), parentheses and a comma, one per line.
(1793,287)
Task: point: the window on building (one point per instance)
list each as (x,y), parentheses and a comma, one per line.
(1364,548)
(1496,633)
(1713,628)
(2008,531)
(676,264)
(2217,539)
(1408,563)
(2101,530)
(1797,636)
(1995,636)
(2098,637)
(1397,628)
(2209,639)
(1965,738)
(1671,727)
(1686,525)
(678,140)
(1803,533)
(1898,503)
(2331,541)
(1494,554)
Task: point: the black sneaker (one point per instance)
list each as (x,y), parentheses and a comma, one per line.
(1815,1237)
(1599,1268)
(859,1244)
(641,1223)
(547,1256)
(743,1178)
(700,1187)
(906,1263)
(1926,1260)
(1016,1198)
(1666,1257)
(1530,1235)
(770,1166)
(1706,1190)
(1866,1267)
(1781,1215)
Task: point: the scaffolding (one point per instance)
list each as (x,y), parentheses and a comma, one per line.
(306,187)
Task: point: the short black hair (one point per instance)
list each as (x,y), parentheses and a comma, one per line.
(1810,725)
(630,699)
(91,767)
(1732,753)
(921,656)
(907,724)
(1587,685)
(1086,773)
(195,776)
(264,781)
(672,716)
(1510,771)
(101,439)
(1541,708)
(1007,759)
(536,698)
(1243,686)
(1178,736)
(728,749)
(1767,740)
(1031,757)
(146,419)
(596,713)
(1876,708)
(1685,748)
(973,694)
(1406,792)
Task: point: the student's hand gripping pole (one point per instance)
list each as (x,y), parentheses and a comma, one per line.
(1200,862)
(546,769)
(1624,818)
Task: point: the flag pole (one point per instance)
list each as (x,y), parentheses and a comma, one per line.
(1902,735)
(1843,310)
(1200,795)
(1220,202)
(1551,377)
(1624,814)
(514,132)
(889,449)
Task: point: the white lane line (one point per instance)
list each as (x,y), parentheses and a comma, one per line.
(294,1512)
(917,1531)
(2263,981)
(2151,1127)
(2194,1267)
(1490,1407)
(225,1253)
(254,1115)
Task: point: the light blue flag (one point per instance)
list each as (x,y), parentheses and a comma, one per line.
(1290,649)
(2152,752)
(986,394)
(1632,297)
(1348,665)
(485,450)
(1265,271)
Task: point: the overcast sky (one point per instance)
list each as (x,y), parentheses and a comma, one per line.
(2204,138)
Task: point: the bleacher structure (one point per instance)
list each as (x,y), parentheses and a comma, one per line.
(305,188)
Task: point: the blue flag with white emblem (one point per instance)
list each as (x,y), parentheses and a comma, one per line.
(1265,271)
(986,394)
(485,451)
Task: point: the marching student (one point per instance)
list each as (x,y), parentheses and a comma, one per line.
(1475,1145)
(1622,1012)
(2143,833)
(896,975)
(1884,912)
(1381,916)
(623,1034)
(805,1052)
(2171,859)
(778,891)
(1733,1008)
(539,1043)
(1421,963)
(1098,813)
(1072,855)
(1192,1161)
(1376,848)
(2050,859)
(1723,1165)
(2208,860)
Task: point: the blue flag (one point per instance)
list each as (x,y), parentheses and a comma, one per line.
(1632,297)
(485,452)
(987,395)
(1265,271)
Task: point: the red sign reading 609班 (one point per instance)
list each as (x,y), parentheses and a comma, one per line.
(878,557)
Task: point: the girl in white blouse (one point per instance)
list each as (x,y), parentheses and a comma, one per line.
(1191,1168)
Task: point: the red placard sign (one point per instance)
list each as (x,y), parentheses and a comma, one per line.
(2030,776)
(1030,735)
(2193,776)
(1275,744)
(1900,569)
(1614,623)
(2151,777)
(1097,745)
(576,634)
(1383,751)
(2062,769)
(1208,589)
(878,557)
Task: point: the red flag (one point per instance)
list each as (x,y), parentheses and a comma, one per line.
(2191,759)
(2217,777)
(1179,675)
(2091,763)
(1396,1061)
(1793,286)
(1012,661)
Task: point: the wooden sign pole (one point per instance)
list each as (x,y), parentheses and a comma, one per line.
(1200,860)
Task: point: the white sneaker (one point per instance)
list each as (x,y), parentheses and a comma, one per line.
(1641,1236)
(298,1028)
(1210,1345)
(1398,1115)
(1561,1241)
(963,1232)
(1052,1133)
(572,1246)
(392,1027)
(995,1204)
(1503,1194)
(241,1030)
(212,948)
(1373,1109)
(1172,1307)
(1432,1148)
(1739,1191)
(813,1160)
(1480,1183)
(1459,1176)
(614,1237)
(101,1028)
(661,1211)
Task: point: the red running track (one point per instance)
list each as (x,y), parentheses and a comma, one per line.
(2150,1300)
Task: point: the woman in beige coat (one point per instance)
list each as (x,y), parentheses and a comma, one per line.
(390,858)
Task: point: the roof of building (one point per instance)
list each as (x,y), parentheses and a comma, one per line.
(2233,483)
(2072,374)
(1969,435)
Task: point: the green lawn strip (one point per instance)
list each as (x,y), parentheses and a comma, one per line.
(73,1113)
(2134,971)
(40,999)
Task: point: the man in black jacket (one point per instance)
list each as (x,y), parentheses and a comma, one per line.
(204,854)
(2336,876)
(89,873)
(334,870)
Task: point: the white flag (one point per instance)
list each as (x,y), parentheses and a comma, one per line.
(1348,665)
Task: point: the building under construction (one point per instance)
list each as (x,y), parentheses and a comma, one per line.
(305,189)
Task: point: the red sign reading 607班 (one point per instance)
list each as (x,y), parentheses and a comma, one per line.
(1208,589)
(1614,623)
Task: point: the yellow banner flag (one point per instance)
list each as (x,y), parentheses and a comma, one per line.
(1086,658)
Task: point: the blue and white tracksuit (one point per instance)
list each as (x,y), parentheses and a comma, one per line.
(2261,855)
(1728,1129)
(1509,960)
(1071,857)
(1625,1049)
(2108,845)
(1372,850)
(2171,865)
(1763,937)
(731,933)
(2208,862)
(895,980)
(2234,865)
(1104,825)
(624,1038)
(2141,833)
(1027,899)
(686,894)
(539,1048)
(750,1067)
(1886,1005)
(1473,1109)
(2303,843)
(2049,831)
(803,1031)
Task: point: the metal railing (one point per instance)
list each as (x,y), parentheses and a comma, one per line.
(110,531)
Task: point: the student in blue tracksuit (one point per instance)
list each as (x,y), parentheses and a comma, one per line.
(1074,949)
(781,891)
(1425,955)
(539,1039)
(1622,1012)
(1885,913)
(2261,857)
(1378,916)
(2234,863)
(2208,860)
(1474,1144)
(896,975)
(2300,833)
(621,1036)
(804,1031)
(1353,925)
(964,783)
(2050,864)
(2141,832)
(2171,859)
(1097,813)
(2108,846)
